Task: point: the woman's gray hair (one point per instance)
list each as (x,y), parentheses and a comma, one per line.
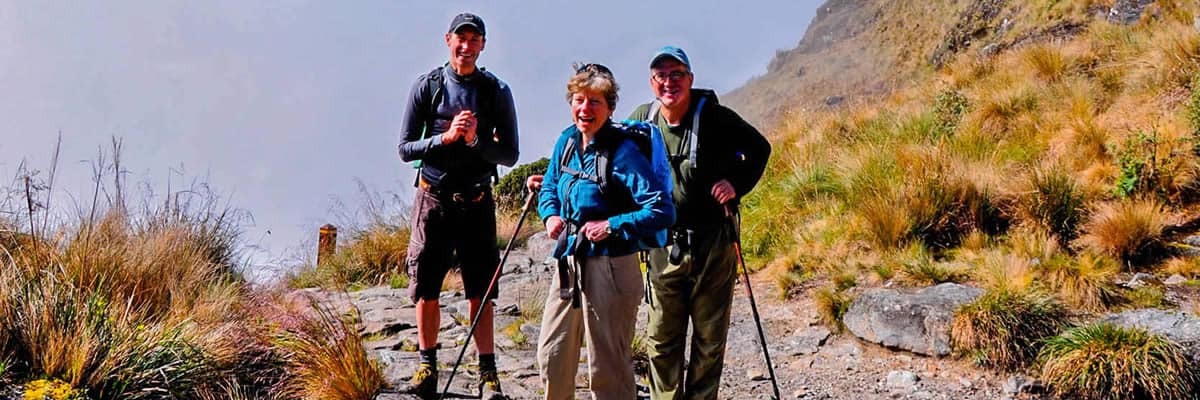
(593,77)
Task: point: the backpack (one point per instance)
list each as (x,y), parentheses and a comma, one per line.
(434,89)
(650,144)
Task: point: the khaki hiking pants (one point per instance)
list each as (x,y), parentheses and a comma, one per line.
(700,289)
(612,290)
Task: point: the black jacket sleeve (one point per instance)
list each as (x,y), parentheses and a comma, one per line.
(412,145)
(751,154)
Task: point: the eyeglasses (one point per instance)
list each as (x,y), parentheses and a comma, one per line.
(673,76)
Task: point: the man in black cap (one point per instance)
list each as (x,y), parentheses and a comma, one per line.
(460,123)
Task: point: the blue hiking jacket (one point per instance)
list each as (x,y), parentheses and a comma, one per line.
(577,200)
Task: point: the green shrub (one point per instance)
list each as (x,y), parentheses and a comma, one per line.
(1004,328)
(1104,361)
(1147,296)
(929,273)
(948,108)
(510,192)
(812,183)
(397,280)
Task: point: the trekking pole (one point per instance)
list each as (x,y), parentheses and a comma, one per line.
(735,222)
(491,287)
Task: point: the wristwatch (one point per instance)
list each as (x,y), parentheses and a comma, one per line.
(608,230)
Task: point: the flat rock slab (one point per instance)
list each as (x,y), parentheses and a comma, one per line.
(809,340)
(918,322)
(1180,327)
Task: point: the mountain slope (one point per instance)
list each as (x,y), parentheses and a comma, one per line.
(859,49)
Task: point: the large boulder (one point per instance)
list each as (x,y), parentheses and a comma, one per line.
(540,247)
(1181,327)
(918,322)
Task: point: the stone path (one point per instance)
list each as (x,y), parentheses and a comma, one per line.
(810,362)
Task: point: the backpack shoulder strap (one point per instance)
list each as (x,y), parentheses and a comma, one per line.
(572,150)
(694,140)
(695,134)
(435,87)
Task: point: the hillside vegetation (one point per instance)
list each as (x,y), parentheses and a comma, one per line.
(117,302)
(1043,150)
(1085,142)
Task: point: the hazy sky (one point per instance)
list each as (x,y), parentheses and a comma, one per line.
(281,105)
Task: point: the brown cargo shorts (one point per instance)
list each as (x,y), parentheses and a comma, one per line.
(452,230)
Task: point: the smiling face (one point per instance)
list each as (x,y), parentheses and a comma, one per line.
(671,82)
(590,111)
(465,46)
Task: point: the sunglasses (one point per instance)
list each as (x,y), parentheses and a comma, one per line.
(594,68)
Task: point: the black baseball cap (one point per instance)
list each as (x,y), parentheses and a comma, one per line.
(467,20)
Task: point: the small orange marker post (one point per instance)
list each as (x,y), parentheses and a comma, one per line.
(326,243)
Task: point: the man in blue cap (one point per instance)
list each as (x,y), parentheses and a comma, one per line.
(460,123)
(716,159)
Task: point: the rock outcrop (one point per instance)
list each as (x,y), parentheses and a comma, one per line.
(918,322)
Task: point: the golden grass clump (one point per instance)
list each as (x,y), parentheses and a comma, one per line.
(149,304)
(1047,61)
(1004,328)
(1129,230)
(1104,361)
(1187,267)
(325,359)
(1085,282)
(1050,199)
(1174,58)
(372,256)
(832,305)
(935,207)
(1005,271)
(788,274)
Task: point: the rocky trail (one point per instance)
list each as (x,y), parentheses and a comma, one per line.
(894,347)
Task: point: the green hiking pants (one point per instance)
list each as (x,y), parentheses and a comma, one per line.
(699,290)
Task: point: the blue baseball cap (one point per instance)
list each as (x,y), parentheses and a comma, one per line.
(673,52)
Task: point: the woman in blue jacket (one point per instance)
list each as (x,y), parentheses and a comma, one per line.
(599,283)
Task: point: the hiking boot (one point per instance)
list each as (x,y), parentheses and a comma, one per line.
(489,386)
(424,383)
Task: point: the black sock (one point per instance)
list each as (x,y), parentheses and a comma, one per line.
(487,362)
(429,357)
